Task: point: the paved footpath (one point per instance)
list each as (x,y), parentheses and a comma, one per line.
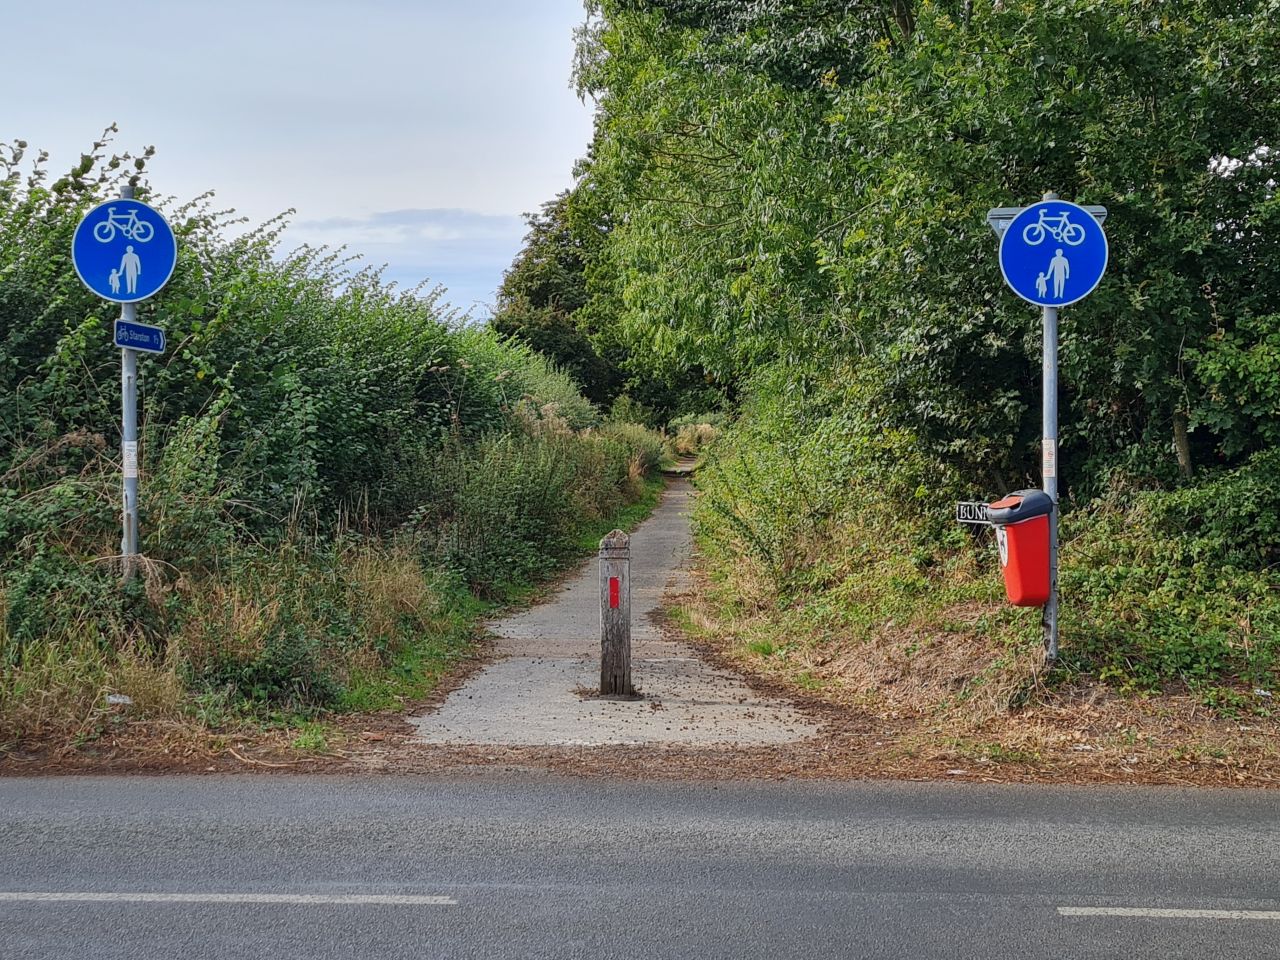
(539,692)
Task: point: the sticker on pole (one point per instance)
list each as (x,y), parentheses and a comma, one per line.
(124,251)
(1053,253)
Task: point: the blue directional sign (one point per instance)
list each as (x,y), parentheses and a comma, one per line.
(139,336)
(124,251)
(1053,253)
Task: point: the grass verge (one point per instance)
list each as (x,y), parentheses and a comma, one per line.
(947,682)
(263,656)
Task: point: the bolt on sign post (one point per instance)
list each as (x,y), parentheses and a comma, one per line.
(125,251)
(1052,254)
(615,615)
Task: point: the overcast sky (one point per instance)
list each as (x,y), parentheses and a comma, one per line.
(414,131)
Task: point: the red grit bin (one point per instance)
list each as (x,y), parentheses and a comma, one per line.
(1022,533)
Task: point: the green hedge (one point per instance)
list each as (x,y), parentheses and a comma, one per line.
(306,417)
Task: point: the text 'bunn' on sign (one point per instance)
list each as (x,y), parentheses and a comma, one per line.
(971,511)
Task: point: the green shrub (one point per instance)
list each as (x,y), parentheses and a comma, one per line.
(1179,585)
(626,409)
(809,505)
(506,372)
(794,472)
(643,446)
(507,511)
(502,509)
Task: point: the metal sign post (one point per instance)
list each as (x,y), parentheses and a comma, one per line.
(129,444)
(1051,281)
(124,251)
(1049,472)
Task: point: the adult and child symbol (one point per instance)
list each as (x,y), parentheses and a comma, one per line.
(130,268)
(1060,270)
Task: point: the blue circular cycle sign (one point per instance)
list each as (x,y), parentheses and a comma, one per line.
(1053,253)
(124,251)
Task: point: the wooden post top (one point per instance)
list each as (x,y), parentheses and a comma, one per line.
(615,544)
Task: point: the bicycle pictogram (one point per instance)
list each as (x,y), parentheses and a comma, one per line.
(128,224)
(1058,226)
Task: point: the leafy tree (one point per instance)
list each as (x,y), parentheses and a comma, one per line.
(803,183)
(546,302)
(542,293)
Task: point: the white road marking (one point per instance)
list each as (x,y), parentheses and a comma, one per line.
(1169,914)
(305,899)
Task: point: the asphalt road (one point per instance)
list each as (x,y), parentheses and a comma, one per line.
(499,866)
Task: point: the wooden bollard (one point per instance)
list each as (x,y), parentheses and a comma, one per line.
(615,615)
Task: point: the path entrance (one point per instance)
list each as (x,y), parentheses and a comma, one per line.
(541,690)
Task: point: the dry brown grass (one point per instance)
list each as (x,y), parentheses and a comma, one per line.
(957,702)
(39,457)
(633,486)
(388,588)
(52,692)
(233,620)
(912,658)
(917,671)
(55,694)
(230,620)
(540,420)
(156,689)
(692,437)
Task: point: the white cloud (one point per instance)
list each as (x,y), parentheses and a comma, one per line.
(462,249)
(406,226)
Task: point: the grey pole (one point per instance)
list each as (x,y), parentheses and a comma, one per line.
(1049,468)
(129,434)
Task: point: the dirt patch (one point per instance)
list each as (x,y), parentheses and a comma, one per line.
(591,693)
(1073,733)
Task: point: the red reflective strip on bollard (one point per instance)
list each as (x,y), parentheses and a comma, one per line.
(615,593)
